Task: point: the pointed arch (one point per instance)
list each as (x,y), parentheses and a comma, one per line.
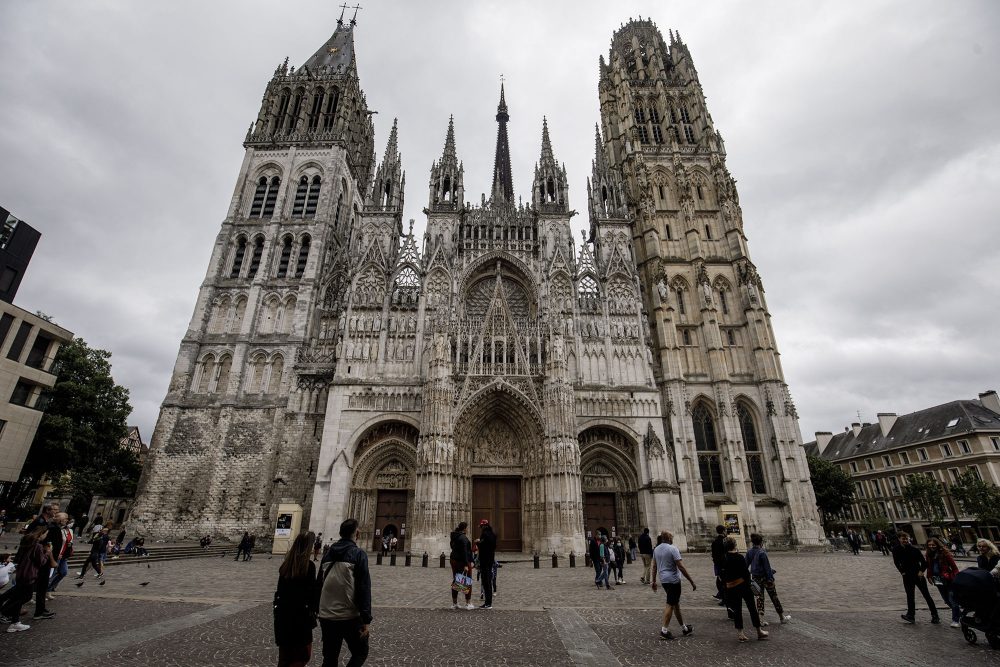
(275,374)
(406,286)
(703,421)
(219,314)
(287,319)
(238,311)
(438,288)
(222,381)
(746,415)
(206,369)
(255,373)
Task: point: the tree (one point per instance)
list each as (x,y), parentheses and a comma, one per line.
(833,487)
(977,498)
(78,442)
(923,495)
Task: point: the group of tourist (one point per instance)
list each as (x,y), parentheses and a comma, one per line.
(337,596)
(42,562)
(245,547)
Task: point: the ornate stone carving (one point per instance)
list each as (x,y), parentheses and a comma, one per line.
(652,443)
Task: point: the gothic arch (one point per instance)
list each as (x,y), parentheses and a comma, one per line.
(498,398)
(310,169)
(482,267)
(607,466)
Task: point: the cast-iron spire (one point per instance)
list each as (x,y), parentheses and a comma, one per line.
(502,182)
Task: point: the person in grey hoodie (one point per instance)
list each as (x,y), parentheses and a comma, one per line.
(345,603)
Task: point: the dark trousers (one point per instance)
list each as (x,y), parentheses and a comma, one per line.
(949,599)
(735,598)
(41,589)
(909,582)
(486,568)
(337,632)
(14,599)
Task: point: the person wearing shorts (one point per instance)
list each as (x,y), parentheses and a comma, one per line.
(667,568)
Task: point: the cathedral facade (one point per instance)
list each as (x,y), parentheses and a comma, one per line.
(492,368)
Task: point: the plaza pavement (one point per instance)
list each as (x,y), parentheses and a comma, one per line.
(217,612)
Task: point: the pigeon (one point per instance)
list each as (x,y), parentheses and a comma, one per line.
(103,581)
(145,583)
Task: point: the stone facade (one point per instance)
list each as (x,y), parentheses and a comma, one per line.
(494,368)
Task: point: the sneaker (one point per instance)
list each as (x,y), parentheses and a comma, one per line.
(470,606)
(454,605)
(666,635)
(761,635)
(908,619)
(764,624)
(936,621)
(17,627)
(787,618)
(486,606)
(45,614)
(741,636)
(956,624)
(99,575)
(687,629)
(50,596)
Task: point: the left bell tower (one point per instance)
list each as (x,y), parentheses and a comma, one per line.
(240,428)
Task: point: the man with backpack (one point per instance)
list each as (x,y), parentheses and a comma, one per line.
(345,603)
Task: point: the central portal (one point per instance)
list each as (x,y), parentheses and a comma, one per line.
(499,500)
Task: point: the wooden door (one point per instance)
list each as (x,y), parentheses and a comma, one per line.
(599,512)
(390,513)
(498,499)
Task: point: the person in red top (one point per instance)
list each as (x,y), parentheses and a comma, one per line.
(941,570)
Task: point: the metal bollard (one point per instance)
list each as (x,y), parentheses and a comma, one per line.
(572,559)
(535,559)
(392,559)
(555,559)
(378,558)
(407,563)
(442,559)
(423,560)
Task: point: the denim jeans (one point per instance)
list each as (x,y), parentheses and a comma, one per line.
(59,573)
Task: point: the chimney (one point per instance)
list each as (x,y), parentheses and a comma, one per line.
(823,439)
(990,401)
(856,427)
(886,421)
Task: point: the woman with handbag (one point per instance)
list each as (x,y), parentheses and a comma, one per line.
(736,579)
(762,579)
(296,603)
(461,563)
(941,569)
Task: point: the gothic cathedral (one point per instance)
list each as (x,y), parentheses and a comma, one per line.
(493,368)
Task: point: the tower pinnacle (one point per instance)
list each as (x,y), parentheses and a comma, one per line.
(502,182)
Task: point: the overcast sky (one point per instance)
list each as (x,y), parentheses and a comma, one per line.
(864,138)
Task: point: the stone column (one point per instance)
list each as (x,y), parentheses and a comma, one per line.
(562,528)
(436,489)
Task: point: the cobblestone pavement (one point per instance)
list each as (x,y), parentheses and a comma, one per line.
(216,612)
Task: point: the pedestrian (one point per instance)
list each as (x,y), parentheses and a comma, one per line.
(7,567)
(45,515)
(487,562)
(98,547)
(762,573)
(736,578)
(243,546)
(668,567)
(882,541)
(393,544)
(461,562)
(248,552)
(912,566)
(62,548)
(941,568)
(618,549)
(633,548)
(31,557)
(317,545)
(989,555)
(296,604)
(345,604)
(854,541)
(646,552)
(3,522)
(718,556)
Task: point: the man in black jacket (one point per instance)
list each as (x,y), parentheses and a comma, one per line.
(345,603)
(461,562)
(487,561)
(718,556)
(646,552)
(912,565)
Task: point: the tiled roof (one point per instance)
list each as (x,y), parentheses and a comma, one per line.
(927,425)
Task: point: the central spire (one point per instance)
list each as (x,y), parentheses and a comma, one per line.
(503,187)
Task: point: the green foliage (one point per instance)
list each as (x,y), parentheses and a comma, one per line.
(977,498)
(874,524)
(833,487)
(78,442)
(922,493)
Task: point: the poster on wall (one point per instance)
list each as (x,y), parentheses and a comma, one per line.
(731,521)
(283,526)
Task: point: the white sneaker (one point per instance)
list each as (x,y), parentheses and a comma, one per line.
(786,618)
(956,624)
(18,627)
(454,605)
(470,606)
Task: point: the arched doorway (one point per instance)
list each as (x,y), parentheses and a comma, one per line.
(609,481)
(497,441)
(382,484)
